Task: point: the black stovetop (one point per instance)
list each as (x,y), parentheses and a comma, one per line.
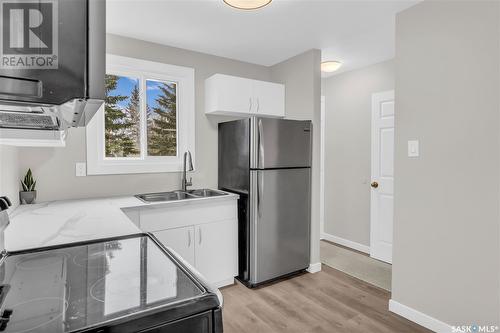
(74,288)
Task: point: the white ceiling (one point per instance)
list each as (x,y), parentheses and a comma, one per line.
(358,33)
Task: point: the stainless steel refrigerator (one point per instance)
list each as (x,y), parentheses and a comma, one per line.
(268,163)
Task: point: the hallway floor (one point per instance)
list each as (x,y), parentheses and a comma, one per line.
(356,264)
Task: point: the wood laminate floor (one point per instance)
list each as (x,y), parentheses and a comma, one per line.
(328,301)
(357,264)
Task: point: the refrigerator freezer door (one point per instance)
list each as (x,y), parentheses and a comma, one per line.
(234,158)
(279,143)
(280,222)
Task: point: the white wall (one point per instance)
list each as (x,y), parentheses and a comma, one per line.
(302,77)
(446,253)
(54,168)
(10,174)
(348,148)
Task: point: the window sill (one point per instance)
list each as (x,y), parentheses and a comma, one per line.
(120,168)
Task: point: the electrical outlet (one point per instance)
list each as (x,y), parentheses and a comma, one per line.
(81,169)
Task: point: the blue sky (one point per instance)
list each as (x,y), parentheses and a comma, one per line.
(124,88)
(126,85)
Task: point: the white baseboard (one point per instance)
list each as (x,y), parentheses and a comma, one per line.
(345,242)
(418,317)
(314,268)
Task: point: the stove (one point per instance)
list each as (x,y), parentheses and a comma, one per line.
(124,284)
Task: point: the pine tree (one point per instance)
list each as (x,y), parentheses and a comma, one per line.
(117,142)
(162,123)
(134,117)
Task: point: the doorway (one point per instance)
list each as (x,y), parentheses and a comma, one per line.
(340,252)
(382,176)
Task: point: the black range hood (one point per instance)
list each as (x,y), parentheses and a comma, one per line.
(52,64)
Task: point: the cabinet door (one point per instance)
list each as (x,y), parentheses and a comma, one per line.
(229,94)
(181,240)
(269,99)
(216,251)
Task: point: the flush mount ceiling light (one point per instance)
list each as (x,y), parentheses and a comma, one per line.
(330,66)
(247,4)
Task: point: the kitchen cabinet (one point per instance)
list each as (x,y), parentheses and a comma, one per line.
(270,99)
(181,240)
(216,250)
(237,96)
(204,233)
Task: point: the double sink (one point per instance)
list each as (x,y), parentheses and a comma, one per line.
(179,195)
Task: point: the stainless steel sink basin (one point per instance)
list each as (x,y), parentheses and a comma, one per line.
(165,196)
(179,195)
(205,192)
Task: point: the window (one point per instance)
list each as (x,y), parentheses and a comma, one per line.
(147,121)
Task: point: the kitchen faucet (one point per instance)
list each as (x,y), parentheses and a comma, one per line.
(189,164)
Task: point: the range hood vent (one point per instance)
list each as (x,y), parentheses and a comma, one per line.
(28,121)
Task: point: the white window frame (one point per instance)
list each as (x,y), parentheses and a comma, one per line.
(99,164)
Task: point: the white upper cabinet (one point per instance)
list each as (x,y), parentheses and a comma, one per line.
(228,95)
(236,96)
(270,98)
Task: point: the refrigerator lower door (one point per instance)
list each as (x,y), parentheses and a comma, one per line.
(279,222)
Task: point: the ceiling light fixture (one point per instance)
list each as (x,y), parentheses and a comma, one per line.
(247,4)
(330,66)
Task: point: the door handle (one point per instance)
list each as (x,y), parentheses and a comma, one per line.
(258,105)
(199,241)
(260,152)
(250,107)
(374,184)
(260,185)
(189,238)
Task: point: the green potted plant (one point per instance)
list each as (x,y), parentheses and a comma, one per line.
(28,194)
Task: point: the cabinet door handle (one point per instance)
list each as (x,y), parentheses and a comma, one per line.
(189,238)
(250,107)
(199,232)
(258,105)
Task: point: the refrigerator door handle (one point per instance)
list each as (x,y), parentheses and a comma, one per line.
(260,146)
(261,189)
(260,185)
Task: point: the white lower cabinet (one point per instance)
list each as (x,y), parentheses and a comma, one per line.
(216,251)
(205,235)
(181,240)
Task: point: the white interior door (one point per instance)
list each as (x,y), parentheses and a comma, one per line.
(382,186)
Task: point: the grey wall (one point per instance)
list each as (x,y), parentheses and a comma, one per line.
(55,167)
(348,104)
(302,77)
(9,174)
(446,253)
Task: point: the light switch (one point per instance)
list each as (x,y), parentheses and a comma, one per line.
(413,149)
(81,169)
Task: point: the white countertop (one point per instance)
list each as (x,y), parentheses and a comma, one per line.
(70,221)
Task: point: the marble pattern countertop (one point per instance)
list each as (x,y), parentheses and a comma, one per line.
(70,221)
